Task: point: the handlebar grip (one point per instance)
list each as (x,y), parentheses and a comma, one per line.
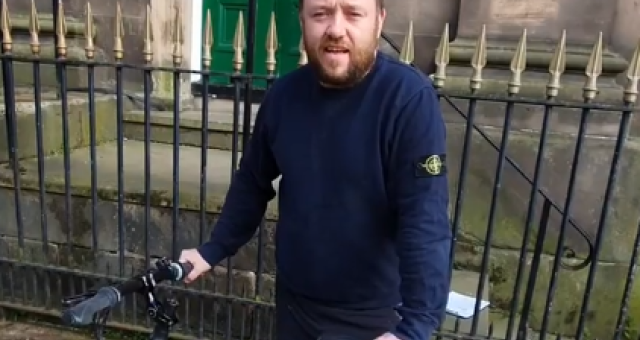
(180,270)
(83,313)
(186,269)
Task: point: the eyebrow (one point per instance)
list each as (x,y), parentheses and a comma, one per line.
(351,4)
(348,5)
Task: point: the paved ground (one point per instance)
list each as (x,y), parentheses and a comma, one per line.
(25,331)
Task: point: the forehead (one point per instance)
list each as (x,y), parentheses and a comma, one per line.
(340,3)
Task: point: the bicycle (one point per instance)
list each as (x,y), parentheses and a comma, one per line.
(93,307)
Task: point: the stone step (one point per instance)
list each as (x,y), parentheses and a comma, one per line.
(466,282)
(500,326)
(161,195)
(161,177)
(52,133)
(220,125)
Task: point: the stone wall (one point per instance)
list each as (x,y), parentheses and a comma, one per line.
(616,19)
(133,18)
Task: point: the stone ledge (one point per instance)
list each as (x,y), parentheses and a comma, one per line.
(20,24)
(496,74)
(533,87)
(539,55)
(52,136)
(220,127)
(218,174)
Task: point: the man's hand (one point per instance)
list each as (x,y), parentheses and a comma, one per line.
(387,336)
(200,266)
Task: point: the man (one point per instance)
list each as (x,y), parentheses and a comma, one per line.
(363,238)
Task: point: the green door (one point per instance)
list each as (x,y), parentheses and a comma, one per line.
(224,17)
(288,25)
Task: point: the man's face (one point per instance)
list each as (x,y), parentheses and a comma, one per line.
(341,38)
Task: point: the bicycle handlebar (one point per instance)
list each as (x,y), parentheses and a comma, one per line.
(106,298)
(84,312)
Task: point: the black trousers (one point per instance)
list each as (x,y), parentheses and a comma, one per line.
(299,318)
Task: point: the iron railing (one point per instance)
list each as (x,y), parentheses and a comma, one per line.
(546,257)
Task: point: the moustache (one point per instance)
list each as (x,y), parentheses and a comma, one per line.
(342,46)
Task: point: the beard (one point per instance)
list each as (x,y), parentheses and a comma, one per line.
(360,61)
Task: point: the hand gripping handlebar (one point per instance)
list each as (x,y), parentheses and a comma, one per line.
(84,309)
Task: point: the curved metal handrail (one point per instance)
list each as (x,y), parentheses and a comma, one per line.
(568,252)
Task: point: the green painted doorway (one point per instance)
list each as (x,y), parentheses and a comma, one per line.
(224,17)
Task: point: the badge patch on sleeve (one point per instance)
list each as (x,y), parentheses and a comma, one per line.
(430,166)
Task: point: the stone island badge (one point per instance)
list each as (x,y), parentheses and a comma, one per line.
(430,166)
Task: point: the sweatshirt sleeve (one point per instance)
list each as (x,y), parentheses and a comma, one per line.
(250,191)
(419,184)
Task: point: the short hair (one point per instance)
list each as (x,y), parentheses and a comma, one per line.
(379,2)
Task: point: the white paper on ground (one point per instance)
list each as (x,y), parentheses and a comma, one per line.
(462,306)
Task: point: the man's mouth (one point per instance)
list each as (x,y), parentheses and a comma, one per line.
(336,50)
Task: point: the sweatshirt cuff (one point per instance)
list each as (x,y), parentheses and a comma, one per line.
(212,253)
(406,332)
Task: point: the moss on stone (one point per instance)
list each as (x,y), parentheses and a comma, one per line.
(605,297)
(511,204)
(632,324)
(509,226)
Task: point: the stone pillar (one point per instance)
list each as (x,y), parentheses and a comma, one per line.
(544,20)
(626,26)
(163,16)
(428,17)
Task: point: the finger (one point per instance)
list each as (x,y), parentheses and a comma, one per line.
(192,276)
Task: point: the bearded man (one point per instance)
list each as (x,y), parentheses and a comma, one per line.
(363,236)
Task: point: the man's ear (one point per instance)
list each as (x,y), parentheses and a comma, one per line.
(381,17)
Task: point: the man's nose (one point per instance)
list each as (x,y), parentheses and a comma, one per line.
(337,27)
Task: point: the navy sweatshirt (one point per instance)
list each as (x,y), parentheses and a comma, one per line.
(363,198)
